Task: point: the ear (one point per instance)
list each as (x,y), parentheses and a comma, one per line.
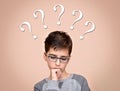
(45,57)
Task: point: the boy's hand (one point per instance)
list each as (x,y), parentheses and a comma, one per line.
(56,74)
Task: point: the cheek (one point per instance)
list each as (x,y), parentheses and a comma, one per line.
(63,66)
(50,65)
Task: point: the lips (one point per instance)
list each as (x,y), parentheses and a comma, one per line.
(58,68)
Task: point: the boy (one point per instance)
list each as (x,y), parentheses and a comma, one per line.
(58,48)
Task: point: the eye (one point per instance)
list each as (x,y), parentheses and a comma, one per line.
(63,59)
(52,57)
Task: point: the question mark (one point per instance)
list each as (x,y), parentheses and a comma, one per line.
(61,13)
(29,28)
(88,31)
(78,19)
(43,16)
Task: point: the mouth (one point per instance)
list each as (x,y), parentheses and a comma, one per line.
(58,68)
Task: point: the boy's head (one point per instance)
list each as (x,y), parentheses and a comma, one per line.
(58,40)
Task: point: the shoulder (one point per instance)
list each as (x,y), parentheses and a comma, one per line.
(39,85)
(79,78)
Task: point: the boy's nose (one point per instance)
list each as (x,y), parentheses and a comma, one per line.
(58,62)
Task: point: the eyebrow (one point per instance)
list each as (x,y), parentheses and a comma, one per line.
(56,55)
(52,55)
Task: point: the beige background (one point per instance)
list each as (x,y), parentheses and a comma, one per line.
(96,57)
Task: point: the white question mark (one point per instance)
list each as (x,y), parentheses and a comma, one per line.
(29,28)
(43,16)
(61,13)
(78,19)
(88,31)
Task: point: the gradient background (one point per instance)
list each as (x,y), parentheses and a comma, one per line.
(96,57)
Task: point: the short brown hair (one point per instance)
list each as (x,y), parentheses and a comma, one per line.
(58,40)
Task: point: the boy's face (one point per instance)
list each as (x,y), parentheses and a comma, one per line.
(57,59)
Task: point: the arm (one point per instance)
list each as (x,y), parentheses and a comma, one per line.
(36,89)
(85,86)
(49,85)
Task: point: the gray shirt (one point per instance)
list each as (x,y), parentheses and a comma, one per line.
(73,83)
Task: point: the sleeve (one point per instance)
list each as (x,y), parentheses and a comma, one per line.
(36,89)
(85,86)
(39,85)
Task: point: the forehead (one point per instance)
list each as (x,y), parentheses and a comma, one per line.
(58,52)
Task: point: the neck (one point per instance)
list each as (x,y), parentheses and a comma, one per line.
(64,75)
